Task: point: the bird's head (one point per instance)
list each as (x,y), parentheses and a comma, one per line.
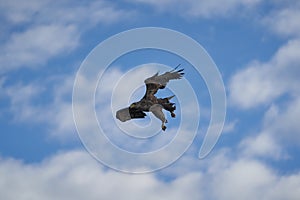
(133,105)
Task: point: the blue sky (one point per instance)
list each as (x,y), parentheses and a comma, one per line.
(255,45)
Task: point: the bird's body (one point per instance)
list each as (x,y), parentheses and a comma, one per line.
(150,103)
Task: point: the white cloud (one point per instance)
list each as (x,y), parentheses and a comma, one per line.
(27,103)
(286,188)
(279,132)
(263,145)
(16,11)
(274,84)
(246,178)
(62,12)
(203,8)
(22,100)
(285,20)
(49,29)
(243,179)
(283,123)
(262,83)
(254,86)
(230,126)
(75,175)
(37,45)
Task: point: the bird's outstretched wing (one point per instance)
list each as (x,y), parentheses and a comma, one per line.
(156,109)
(126,114)
(156,82)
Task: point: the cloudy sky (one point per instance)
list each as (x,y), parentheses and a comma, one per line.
(255,45)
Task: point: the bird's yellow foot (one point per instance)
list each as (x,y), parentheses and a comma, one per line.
(173,115)
(163,127)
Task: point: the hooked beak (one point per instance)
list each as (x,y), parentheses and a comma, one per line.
(132,106)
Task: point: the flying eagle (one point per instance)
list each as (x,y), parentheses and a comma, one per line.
(150,103)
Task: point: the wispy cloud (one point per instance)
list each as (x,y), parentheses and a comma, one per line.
(261,83)
(49,28)
(199,9)
(264,145)
(21,99)
(36,45)
(27,103)
(279,132)
(62,12)
(284,20)
(273,86)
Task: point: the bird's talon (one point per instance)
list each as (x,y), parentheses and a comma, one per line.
(173,115)
(163,128)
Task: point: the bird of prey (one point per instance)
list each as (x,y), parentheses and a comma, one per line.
(150,103)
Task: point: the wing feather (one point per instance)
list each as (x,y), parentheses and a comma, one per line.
(156,82)
(156,109)
(163,79)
